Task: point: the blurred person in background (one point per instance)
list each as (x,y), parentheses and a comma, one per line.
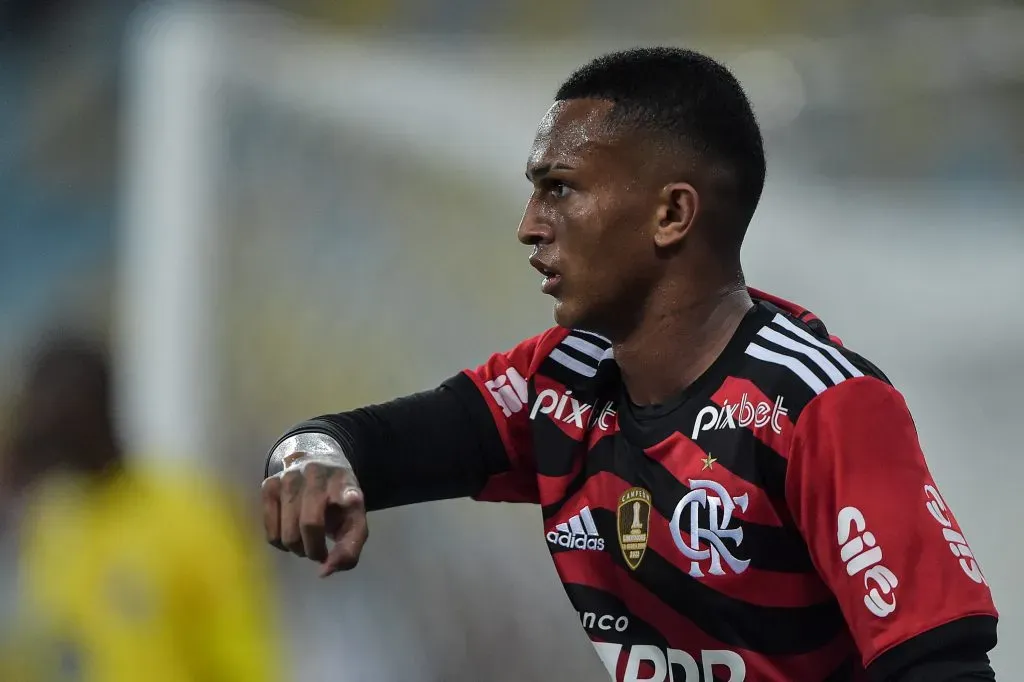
(123,574)
(727,490)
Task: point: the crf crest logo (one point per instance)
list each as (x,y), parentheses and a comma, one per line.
(707,543)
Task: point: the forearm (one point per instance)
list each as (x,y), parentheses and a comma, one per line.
(957,670)
(434,445)
(955,652)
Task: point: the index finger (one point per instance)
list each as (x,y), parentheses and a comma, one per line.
(349,517)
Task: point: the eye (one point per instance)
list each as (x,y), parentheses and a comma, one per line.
(557,189)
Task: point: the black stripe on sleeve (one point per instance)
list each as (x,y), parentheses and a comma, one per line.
(433,445)
(954,652)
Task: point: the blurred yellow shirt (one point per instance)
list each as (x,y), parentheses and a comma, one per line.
(142,578)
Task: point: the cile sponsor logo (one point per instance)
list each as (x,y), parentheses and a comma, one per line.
(957,543)
(509,391)
(859,551)
(672,665)
(743,414)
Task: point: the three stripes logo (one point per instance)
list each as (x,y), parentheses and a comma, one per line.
(582,352)
(580,532)
(818,364)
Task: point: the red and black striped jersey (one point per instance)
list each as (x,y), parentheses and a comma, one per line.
(775,522)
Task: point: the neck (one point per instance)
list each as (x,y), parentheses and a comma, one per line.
(673,344)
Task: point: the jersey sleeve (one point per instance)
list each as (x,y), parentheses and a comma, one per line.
(879,532)
(498,393)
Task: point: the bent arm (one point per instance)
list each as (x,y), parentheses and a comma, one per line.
(434,445)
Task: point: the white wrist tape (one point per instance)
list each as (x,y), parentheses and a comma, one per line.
(298,451)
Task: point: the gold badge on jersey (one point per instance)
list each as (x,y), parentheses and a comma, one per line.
(634,517)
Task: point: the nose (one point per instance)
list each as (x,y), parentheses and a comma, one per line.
(533,230)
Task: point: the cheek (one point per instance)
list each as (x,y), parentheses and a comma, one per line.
(603,237)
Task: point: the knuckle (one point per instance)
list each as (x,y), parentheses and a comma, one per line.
(292,480)
(314,470)
(353,499)
(271,487)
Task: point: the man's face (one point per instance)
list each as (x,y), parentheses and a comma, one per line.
(591,218)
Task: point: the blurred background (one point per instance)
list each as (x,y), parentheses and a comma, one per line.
(271,210)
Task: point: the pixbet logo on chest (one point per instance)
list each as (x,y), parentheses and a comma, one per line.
(743,414)
(565,408)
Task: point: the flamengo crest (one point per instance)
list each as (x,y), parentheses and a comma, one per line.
(633,522)
(707,543)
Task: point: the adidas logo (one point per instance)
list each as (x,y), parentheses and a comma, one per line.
(579,533)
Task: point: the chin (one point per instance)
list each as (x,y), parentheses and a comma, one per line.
(591,316)
(564,315)
(571,315)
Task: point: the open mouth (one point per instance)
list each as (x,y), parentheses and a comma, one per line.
(550,282)
(551,277)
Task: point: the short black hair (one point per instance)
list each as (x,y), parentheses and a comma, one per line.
(687,96)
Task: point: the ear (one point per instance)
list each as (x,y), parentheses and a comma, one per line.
(677,213)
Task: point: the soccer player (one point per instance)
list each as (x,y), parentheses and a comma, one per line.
(125,574)
(728,493)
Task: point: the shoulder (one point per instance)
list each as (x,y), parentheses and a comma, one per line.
(577,355)
(568,355)
(792,360)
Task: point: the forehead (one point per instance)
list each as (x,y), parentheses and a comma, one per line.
(572,129)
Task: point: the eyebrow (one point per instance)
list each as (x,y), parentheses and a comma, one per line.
(537,172)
